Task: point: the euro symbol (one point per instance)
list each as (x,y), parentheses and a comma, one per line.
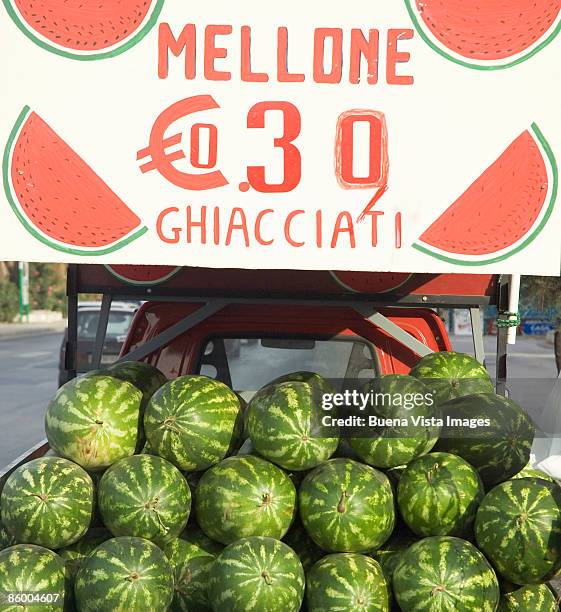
(162,161)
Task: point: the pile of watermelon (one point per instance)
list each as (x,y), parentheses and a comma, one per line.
(176,495)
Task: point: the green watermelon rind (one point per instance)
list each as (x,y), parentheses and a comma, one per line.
(526,55)
(525,242)
(134,283)
(6,165)
(121,48)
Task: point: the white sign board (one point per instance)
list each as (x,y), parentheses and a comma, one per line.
(381,136)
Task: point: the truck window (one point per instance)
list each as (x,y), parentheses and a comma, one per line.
(246,364)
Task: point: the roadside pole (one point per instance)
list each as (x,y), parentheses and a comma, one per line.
(23,285)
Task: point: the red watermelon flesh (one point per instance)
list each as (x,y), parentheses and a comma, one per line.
(142,275)
(61,195)
(84,25)
(499,208)
(488,29)
(370,282)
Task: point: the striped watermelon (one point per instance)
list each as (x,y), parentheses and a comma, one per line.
(284,424)
(245,496)
(94,421)
(443,573)
(389,555)
(191,567)
(193,421)
(347,582)
(145,496)
(74,555)
(124,575)
(195,535)
(439,494)
(6,539)
(529,598)
(312,378)
(48,502)
(518,527)
(346,506)
(393,445)
(529,472)
(499,451)
(142,375)
(26,568)
(451,375)
(256,573)
(301,543)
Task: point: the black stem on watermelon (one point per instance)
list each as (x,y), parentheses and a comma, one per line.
(341,507)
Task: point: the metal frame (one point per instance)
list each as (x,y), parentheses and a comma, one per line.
(477,335)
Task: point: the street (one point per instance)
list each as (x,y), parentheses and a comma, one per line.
(29,368)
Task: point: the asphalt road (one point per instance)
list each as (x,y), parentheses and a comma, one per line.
(29,366)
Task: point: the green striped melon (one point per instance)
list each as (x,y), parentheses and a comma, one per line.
(256,573)
(27,569)
(195,535)
(346,506)
(146,497)
(245,496)
(125,575)
(445,574)
(284,424)
(346,581)
(389,555)
(529,598)
(498,451)
(451,375)
(439,494)
(301,543)
(413,429)
(518,527)
(529,472)
(193,421)
(312,378)
(6,539)
(94,421)
(74,555)
(191,569)
(48,502)
(142,375)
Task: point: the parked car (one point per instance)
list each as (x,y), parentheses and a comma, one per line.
(120,318)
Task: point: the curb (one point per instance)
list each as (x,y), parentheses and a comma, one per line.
(20,330)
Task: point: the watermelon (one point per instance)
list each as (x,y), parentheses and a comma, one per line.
(75,554)
(191,568)
(26,569)
(124,575)
(370,282)
(256,573)
(145,496)
(6,538)
(502,211)
(490,35)
(444,573)
(48,502)
(143,276)
(497,451)
(98,30)
(529,598)
(245,496)
(449,375)
(284,424)
(94,421)
(142,375)
(301,543)
(397,443)
(439,494)
(195,535)
(346,506)
(58,198)
(529,472)
(346,581)
(389,555)
(518,527)
(193,421)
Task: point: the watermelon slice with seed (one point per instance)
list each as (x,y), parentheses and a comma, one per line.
(486,34)
(503,211)
(143,275)
(58,198)
(85,29)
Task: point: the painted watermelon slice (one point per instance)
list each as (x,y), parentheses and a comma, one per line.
(486,34)
(143,275)
(58,198)
(503,211)
(370,282)
(85,29)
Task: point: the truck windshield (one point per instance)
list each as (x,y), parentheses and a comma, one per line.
(246,364)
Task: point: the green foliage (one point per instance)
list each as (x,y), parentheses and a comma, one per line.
(9,301)
(540,292)
(47,287)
